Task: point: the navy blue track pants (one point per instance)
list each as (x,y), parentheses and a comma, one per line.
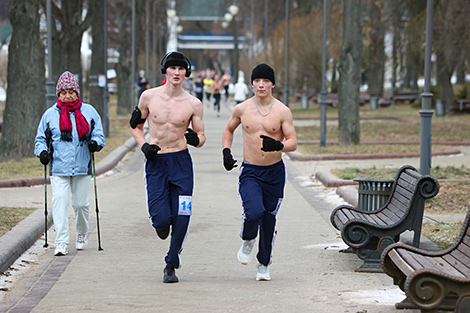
(261,189)
(169,183)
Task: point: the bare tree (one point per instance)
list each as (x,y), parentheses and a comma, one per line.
(350,74)
(26,94)
(377,52)
(67,31)
(97,58)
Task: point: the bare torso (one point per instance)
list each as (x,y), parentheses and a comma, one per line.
(169,116)
(255,124)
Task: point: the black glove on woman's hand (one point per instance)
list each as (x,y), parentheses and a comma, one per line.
(150,151)
(191,137)
(44,157)
(271,144)
(93,146)
(229,162)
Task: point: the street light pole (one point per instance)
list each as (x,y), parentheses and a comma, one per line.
(133,57)
(323,78)
(50,94)
(286,83)
(426,111)
(105,62)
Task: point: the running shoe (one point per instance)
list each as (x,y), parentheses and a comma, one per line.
(244,254)
(82,241)
(263,273)
(169,275)
(60,249)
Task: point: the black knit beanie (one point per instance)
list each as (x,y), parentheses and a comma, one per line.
(176,59)
(263,71)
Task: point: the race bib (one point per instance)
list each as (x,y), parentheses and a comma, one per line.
(279,201)
(184,205)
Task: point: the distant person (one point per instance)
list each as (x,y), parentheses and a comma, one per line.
(67,134)
(268,130)
(216,88)
(169,177)
(199,88)
(225,80)
(188,85)
(240,90)
(208,80)
(143,83)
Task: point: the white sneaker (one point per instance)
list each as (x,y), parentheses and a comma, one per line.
(263,273)
(60,249)
(244,254)
(82,241)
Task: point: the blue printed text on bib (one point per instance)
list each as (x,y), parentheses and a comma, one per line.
(184,205)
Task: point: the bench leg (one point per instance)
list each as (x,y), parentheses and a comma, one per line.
(371,260)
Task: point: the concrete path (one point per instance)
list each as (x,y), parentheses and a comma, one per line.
(308,272)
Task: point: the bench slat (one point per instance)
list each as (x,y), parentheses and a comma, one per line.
(413,174)
(410,260)
(384,216)
(395,213)
(460,266)
(398,208)
(418,261)
(400,262)
(442,265)
(390,214)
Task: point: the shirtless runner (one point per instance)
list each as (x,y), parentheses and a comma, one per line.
(169,111)
(268,130)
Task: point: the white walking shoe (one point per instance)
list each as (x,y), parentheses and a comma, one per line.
(263,273)
(82,241)
(244,254)
(60,249)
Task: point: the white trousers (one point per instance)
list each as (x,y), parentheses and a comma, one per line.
(79,186)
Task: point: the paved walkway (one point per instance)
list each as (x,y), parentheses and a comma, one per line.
(308,272)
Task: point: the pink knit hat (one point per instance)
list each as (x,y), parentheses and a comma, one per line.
(67,81)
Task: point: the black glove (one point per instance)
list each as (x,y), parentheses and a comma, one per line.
(150,151)
(271,144)
(191,137)
(44,157)
(229,162)
(93,146)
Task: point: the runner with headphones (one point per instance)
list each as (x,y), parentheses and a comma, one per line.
(169,110)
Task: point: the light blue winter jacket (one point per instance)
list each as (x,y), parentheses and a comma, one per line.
(69,158)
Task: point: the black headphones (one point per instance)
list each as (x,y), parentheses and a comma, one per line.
(188,63)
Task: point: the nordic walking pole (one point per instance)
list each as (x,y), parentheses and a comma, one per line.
(96,203)
(45,205)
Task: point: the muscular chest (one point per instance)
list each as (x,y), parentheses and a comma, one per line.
(176,114)
(255,123)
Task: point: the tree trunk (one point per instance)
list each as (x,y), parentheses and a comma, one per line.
(350,74)
(123,67)
(67,42)
(26,93)
(377,52)
(97,58)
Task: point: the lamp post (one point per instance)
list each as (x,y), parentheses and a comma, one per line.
(172,20)
(105,92)
(426,111)
(230,18)
(323,91)
(133,57)
(286,83)
(50,94)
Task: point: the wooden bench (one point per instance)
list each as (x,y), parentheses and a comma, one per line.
(432,280)
(369,233)
(462,103)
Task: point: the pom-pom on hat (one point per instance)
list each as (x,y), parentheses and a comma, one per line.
(67,81)
(263,71)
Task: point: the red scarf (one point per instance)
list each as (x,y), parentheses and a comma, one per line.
(65,123)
